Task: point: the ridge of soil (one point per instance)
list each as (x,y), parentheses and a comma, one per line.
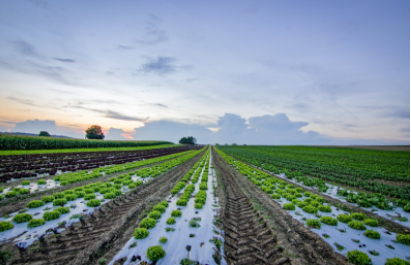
(86,241)
(296,243)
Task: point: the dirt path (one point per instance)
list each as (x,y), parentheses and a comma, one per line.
(86,241)
(249,242)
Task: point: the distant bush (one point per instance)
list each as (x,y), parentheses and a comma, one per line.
(358,258)
(345,218)
(403,239)
(93,203)
(328,220)
(51,215)
(140,233)
(5,225)
(35,204)
(22,218)
(176,213)
(148,223)
(371,222)
(357,225)
(35,223)
(313,223)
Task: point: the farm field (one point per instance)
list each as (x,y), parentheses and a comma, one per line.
(195,205)
(344,228)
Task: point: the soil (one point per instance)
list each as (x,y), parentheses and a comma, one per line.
(105,230)
(275,238)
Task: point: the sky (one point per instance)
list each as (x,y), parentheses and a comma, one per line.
(245,72)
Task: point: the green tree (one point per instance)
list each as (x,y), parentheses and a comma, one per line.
(95,132)
(44,133)
(188,140)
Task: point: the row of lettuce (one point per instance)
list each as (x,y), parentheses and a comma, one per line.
(310,203)
(109,189)
(70,178)
(157,252)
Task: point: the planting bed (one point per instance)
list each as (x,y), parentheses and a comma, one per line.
(27,166)
(88,239)
(311,209)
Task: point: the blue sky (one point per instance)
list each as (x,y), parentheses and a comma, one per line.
(274,72)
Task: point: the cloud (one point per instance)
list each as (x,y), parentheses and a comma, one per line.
(124,47)
(115,134)
(25,48)
(35,126)
(161,65)
(152,32)
(399,113)
(112,114)
(275,129)
(64,60)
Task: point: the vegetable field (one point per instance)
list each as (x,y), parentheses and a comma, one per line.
(200,205)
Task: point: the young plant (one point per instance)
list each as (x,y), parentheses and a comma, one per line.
(63,210)
(51,215)
(41,182)
(313,223)
(35,223)
(310,209)
(371,222)
(289,206)
(160,208)
(171,221)
(357,225)
(47,199)
(109,195)
(5,225)
(35,204)
(89,196)
(148,223)
(396,261)
(154,214)
(358,258)
(329,220)
(93,203)
(325,208)
(198,205)
(372,234)
(140,233)
(22,218)
(59,202)
(155,253)
(25,182)
(176,213)
(345,218)
(403,239)
(163,240)
(358,216)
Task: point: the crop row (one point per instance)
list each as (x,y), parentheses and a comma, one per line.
(345,173)
(70,178)
(310,204)
(16,142)
(108,189)
(31,165)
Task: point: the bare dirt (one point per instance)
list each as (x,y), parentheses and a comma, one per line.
(108,228)
(270,235)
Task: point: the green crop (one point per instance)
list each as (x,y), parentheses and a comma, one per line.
(345,218)
(325,208)
(160,208)
(329,220)
(289,206)
(93,203)
(140,233)
(110,195)
(22,218)
(59,202)
(155,253)
(171,221)
(358,258)
(89,196)
(310,209)
(358,216)
(155,214)
(313,223)
(51,215)
(176,213)
(372,234)
(35,204)
(35,223)
(371,222)
(148,223)
(163,240)
(47,199)
(357,225)
(63,210)
(5,225)
(397,261)
(403,239)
